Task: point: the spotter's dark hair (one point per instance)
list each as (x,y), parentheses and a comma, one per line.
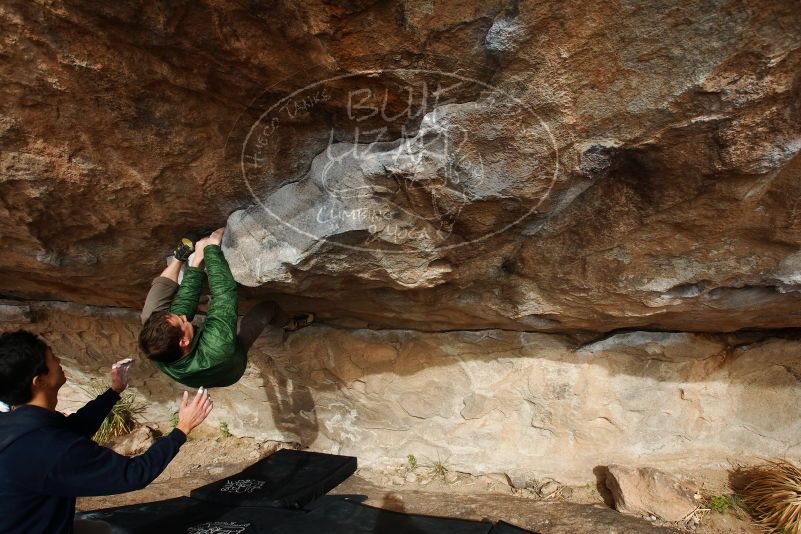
(22,357)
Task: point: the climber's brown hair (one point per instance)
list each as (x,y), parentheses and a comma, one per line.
(159,338)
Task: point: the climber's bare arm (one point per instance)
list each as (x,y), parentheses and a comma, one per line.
(172,269)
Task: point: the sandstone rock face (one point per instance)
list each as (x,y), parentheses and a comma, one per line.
(509,217)
(531,166)
(647,491)
(530,405)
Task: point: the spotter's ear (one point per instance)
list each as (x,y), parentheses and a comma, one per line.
(36,383)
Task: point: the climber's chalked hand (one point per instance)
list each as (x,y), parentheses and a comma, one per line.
(216,236)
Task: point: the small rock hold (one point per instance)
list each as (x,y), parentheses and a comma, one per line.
(519,481)
(649,492)
(549,488)
(135,442)
(499,478)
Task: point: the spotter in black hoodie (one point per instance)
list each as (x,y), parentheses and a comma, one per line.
(48,459)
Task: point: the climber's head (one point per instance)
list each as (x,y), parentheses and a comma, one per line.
(29,371)
(166,337)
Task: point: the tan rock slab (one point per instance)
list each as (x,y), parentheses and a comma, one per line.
(647,491)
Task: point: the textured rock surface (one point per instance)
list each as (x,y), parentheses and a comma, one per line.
(645,491)
(675,128)
(529,405)
(472,255)
(136,442)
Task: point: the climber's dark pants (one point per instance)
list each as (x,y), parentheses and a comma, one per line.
(267,313)
(257,319)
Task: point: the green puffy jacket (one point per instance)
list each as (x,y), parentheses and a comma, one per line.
(214,359)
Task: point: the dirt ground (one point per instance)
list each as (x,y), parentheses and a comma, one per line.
(422,490)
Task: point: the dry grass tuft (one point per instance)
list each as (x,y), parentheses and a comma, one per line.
(121,419)
(772,492)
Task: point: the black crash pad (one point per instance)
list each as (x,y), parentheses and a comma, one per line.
(188,516)
(285,479)
(334,515)
(503,527)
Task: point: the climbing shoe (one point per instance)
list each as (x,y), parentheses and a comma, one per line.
(185,248)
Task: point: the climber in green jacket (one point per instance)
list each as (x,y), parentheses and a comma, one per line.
(213,354)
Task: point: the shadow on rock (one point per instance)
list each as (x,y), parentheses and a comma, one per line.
(601,472)
(291,403)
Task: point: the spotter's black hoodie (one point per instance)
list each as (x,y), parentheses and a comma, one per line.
(48,459)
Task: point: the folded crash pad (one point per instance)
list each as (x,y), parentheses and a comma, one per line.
(285,479)
(333,515)
(188,516)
